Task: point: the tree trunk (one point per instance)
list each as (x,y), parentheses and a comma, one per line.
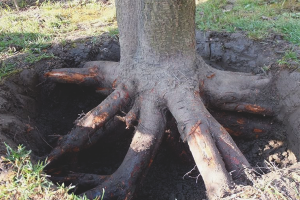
(159,71)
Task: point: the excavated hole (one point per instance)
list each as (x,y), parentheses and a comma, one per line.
(35,112)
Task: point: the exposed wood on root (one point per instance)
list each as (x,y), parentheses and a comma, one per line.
(138,159)
(236,124)
(84,134)
(213,149)
(101,75)
(240,126)
(196,130)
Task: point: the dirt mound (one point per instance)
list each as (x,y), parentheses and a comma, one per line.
(234,52)
(35,112)
(31,108)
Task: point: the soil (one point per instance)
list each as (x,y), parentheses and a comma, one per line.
(35,112)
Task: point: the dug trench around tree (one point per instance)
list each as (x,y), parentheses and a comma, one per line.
(35,112)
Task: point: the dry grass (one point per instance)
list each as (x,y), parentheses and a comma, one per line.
(279,184)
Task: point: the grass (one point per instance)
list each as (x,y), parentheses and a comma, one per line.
(25,180)
(6,70)
(34,58)
(33,30)
(288,58)
(281,184)
(113,32)
(258,18)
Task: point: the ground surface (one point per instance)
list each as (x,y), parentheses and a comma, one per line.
(35,111)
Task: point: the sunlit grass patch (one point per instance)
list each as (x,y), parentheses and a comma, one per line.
(258,18)
(32,30)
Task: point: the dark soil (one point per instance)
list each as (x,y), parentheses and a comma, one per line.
(34,112)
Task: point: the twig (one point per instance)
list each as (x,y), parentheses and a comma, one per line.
(187,174)
(40,83)
(43,138)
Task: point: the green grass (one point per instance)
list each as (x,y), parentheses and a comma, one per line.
(25,180)
(258,18)
(289,57)
(32,58)
(33,30)
(6,70)
(113,32)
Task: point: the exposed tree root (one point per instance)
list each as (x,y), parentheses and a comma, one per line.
(198,128)
(238,92)
(159,71)
(209,142)
(144,145)
(84,134)
(238,125)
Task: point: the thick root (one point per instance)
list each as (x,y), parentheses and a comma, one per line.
(175,144)
(239,92)
(240,126)
(237,125)
(212,148)
(102,75)
(84,134)
(234,159)
(138,159)
(193,125)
